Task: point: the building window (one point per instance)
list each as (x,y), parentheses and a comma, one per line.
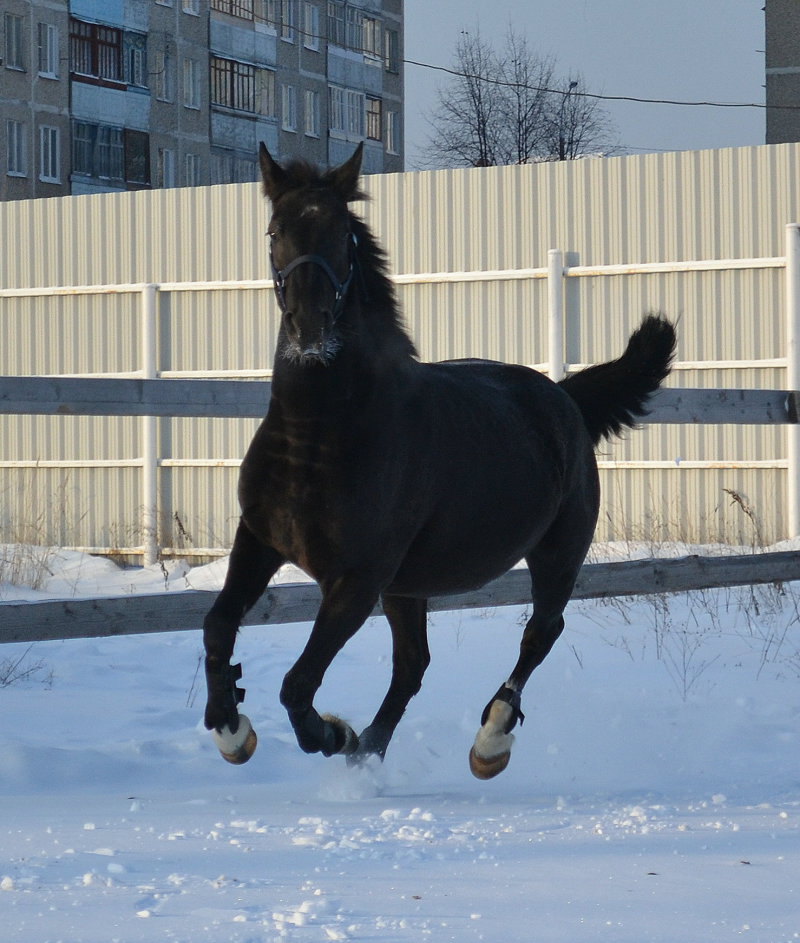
(110,153)
(241,8)
(233,84)
(96,51)
(164,75)
(346,112)
(16,163)
(49,170)
(372,38)
(391,50)
(265,93)
(166,167)
(193,8)
(13,44)
(336,109)
(336,27)
(245,170)
(83,138)
(311,26)
(312,123)
(191,84)
(48,50)
(192,170)
(392,132)
(137,157)
(136,59)
(222,168)
(355,28)
(288,20)
(355,113)
(270,13)
(289,108)
(374,119)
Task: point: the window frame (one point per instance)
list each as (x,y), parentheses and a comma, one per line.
(373,118)
(312,125)
(101,48)
(49,154)
(311,31)
(191,96)
(48,50)
(289,107)
(14,42)
(16,148)
(233,84)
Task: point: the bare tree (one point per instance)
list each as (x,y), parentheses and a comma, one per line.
(468,118)
(578,125)
(510,109)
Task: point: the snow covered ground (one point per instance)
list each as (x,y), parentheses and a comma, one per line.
(653,792)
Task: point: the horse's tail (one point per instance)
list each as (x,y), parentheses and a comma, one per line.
(612,395)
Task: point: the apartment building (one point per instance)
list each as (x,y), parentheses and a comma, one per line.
(783,70)
(99,95)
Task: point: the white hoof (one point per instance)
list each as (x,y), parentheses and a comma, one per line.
(236,748)
(492,748)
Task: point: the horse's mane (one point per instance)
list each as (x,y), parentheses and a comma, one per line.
(373,280)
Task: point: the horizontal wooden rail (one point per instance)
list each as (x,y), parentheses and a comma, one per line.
(248,399)
(298,602)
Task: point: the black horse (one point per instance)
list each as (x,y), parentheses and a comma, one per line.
(386,479)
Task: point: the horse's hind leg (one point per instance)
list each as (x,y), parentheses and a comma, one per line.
(554,570)
(408,619)
(252,565)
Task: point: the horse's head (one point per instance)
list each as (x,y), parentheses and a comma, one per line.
(312,251)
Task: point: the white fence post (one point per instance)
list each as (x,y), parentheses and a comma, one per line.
(793,374)
(555,313)
(150,427)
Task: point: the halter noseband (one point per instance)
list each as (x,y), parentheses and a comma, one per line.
(279,276)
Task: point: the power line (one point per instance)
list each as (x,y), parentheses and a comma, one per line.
(596,95)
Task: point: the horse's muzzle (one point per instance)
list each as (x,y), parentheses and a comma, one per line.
(310,338)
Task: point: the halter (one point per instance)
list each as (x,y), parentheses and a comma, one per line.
(279,276)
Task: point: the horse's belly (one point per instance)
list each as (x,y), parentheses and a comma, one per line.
(441,568)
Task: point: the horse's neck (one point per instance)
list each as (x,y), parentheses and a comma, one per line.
(316,390)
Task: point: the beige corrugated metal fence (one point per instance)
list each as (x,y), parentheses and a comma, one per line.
(77,481)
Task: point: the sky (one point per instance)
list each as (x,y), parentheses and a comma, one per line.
(680,49)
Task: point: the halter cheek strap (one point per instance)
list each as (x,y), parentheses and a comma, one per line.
(279,276)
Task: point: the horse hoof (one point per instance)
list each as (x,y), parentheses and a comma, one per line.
(236,748)
(492,748)
(482,767)
(344,732)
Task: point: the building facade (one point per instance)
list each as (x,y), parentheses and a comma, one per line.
(100,95)
(783,70)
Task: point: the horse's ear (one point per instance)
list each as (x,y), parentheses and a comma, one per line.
(345,177)
(274,178)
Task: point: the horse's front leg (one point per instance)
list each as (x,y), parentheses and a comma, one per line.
(408,619)
(346,604)
(252,565)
